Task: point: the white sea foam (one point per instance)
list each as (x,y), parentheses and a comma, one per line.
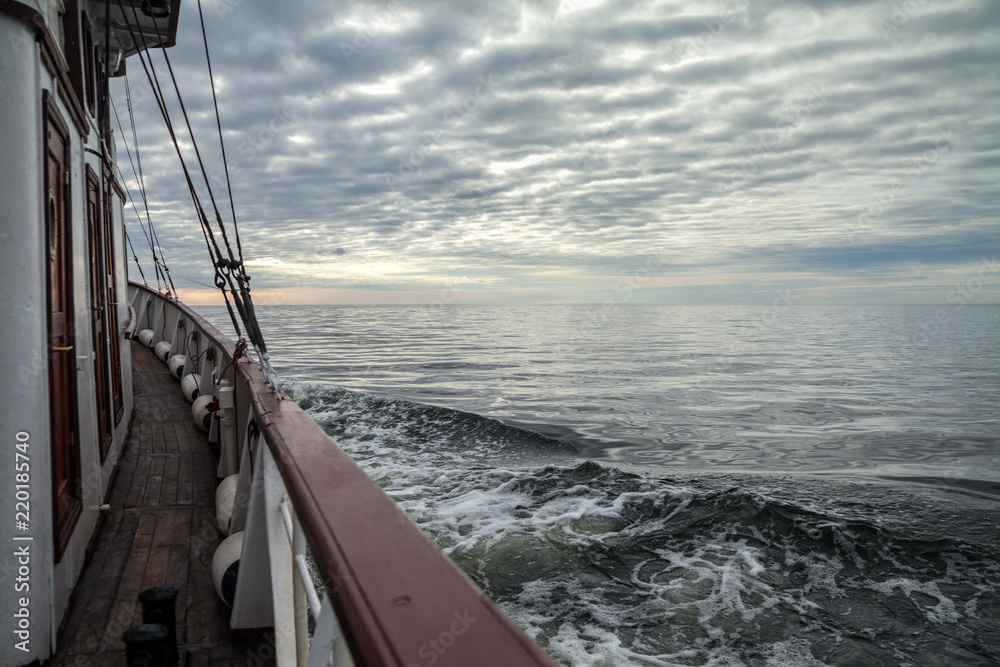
(943,612)
(608,568)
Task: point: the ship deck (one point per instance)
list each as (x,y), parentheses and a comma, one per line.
(160,530)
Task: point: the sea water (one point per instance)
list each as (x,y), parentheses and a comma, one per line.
(685,485)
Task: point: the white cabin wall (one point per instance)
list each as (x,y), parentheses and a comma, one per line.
(23,335)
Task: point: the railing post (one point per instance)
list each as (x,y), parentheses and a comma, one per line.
(264,587)
(252,602)
(301,616)
(282,563)
(158,316)
(209,362)
(328,645)
(228,455)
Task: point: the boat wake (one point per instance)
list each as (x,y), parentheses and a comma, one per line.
(609,567)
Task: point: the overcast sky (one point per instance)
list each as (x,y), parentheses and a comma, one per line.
(673,152)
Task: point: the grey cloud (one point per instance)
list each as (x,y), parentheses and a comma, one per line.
(361,138)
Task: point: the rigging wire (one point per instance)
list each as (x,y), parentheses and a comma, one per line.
(197,152)
(128,193)
(135,256)
(227,271)
(192,280)
(222,143)
(141,178)
(154,81)
(235,271)
(152,240)
(136,210)
(131,201)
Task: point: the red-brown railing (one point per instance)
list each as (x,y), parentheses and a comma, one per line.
(398,600)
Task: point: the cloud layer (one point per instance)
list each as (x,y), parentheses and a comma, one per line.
(544,151)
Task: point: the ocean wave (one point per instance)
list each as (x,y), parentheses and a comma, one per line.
(609,567)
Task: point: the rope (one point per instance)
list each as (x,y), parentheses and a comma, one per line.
(161,103)
(222,143)
(192,280)
(128,193)
(160,260)
(141,178)
(242,300)
(233,270)
(156,261)
(135,256)
(228,272)
(197,356)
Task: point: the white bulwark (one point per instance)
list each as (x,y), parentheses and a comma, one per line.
(66,393)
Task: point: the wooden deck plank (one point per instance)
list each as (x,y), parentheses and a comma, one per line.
(156,440)
(202,611)
(155,573)
(160,530)
(154,479)
(185,483)
(100,609)
(135,566)
(170,438)
(137,484)
(178,570)
(185,442)
(203,480)
(74,622)
(126,470)
(171,479)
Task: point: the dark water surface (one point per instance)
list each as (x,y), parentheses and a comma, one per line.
(686,485)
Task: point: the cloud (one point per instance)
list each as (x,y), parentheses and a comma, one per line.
(542,150)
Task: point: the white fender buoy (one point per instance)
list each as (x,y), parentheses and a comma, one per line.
(189,386)
(176,365)
(162,350)
(199,410)
(226,566)
(225,498)
(146,337)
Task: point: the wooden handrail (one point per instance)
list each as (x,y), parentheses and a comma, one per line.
(399,599)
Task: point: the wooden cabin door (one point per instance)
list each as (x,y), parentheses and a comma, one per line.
(98,311)
(64,430)
(111,290)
